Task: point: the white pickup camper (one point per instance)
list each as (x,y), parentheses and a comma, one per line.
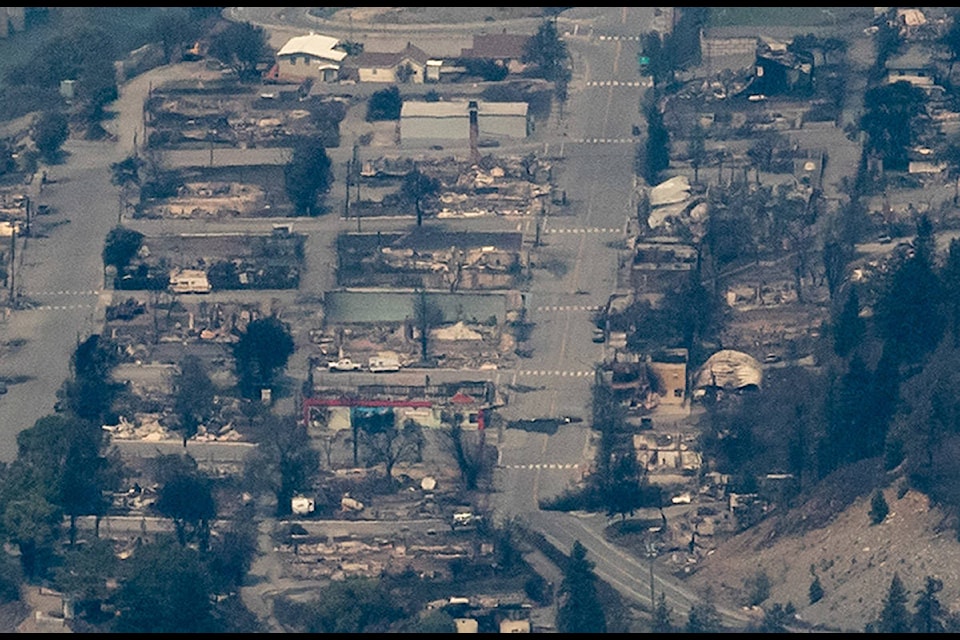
(189,281)
(384,364)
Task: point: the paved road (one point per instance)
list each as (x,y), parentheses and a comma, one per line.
(599,181)
(624,571)
(62,276)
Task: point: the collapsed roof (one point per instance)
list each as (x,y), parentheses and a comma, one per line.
(672,191)
(729,370)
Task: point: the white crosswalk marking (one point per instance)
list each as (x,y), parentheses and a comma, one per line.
(583,230)
(605,140)
(562,374)
(582,307)
(66,307)
(616,83)
(604,37)
(541,466)
(91,292)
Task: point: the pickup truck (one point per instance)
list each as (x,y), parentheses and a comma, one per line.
(344,364)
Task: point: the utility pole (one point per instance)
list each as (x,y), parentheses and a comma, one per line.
(651,554)
(540,219)
(356,168)
(13,261)
(416,172)
(346,202)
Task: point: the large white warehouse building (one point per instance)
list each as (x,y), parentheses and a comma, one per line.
(448,123)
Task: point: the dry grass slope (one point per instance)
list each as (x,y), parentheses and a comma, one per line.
(831,535)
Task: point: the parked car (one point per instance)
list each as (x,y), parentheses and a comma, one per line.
(770,358)
(599,336)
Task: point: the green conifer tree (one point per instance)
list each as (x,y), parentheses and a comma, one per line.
(816,590)
(894,618)
(580,610)
(878,508)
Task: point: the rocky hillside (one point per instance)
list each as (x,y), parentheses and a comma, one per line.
(832,535)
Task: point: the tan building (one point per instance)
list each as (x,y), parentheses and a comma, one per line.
(670,371)
(408,65)
(514,626)
(312,56)
(466,625)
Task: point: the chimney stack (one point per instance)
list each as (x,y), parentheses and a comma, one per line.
(474,131)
